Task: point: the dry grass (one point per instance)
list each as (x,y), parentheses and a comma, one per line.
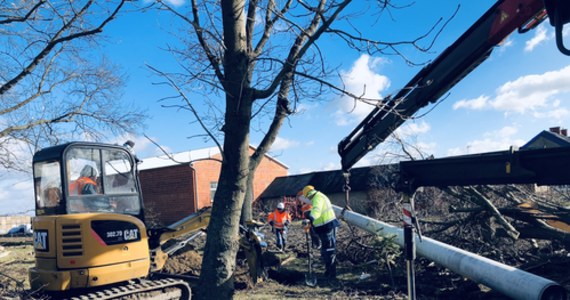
(17,258)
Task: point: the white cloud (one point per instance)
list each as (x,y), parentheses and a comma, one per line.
(530,93)
(16,193)
(505,44)
(540,35)
(413,129)
(176,3)
(557,114)
(361,80)
(325,166)
(497,140)
(302,108)
(476,104)
(426,148)
(330,166)
(143,146)
(283,144)
(25,185)
(18,152)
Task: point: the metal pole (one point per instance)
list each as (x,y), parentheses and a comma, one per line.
(507,280)
(409,246)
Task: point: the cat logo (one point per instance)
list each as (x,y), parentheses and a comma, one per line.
(41,240)
(131,234)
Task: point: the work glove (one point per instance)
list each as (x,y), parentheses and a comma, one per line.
(306,225)
(271,223)
(287,223)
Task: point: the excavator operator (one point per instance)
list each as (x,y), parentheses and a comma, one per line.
(86,183)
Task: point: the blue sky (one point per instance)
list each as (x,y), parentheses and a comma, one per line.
(518,92)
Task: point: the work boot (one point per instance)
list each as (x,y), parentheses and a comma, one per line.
(331,274)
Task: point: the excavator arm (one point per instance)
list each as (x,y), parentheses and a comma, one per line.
(458,60)
(183,231)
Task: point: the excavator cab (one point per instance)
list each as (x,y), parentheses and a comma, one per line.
(86,178)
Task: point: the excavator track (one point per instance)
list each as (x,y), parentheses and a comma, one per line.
(162,289)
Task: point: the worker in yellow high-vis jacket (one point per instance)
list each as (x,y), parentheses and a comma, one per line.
(324,221)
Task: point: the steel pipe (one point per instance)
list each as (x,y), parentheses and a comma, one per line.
(505,279)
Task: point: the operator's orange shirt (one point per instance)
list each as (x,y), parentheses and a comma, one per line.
(76,186)
(279,218)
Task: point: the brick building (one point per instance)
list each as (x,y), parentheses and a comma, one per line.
(175,187)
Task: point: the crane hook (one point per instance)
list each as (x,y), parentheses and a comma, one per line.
(558,14)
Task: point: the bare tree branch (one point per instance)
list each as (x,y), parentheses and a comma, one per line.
(57,39)
(199,30)
(25,17)
(189,105)
(52,88)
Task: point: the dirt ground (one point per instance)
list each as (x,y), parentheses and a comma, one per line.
(360,276)
(363,277)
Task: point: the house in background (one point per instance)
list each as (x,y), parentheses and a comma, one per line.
(177,186)
(554,137)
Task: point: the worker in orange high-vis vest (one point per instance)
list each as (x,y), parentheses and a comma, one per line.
(280,220)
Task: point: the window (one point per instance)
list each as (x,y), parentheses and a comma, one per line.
(101,180)
(82,163)
(118,173)
(47,181)
(213,188)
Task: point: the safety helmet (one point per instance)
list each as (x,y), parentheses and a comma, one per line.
(280,205)
(307,190)
(88,171)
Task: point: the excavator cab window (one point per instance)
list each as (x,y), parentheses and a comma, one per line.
(101,180)
(47,181)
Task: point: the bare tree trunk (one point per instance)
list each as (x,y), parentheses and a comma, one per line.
(247,211)
(222,242)
(281,112)
(216,277)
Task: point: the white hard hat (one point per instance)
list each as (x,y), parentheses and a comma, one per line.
(280,205)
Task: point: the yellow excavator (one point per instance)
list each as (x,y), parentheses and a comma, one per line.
(90,236)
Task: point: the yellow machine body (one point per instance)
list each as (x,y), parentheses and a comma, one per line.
(88,250)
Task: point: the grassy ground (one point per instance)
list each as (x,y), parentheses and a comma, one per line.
(16,258)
